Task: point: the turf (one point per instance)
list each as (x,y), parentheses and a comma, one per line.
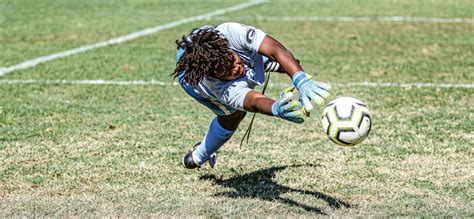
(103,150)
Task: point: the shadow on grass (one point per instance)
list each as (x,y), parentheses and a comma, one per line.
(260,184)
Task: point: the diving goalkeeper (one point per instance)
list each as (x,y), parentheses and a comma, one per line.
(220,67)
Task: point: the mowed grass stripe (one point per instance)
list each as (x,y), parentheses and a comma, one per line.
(131,36)
(278,85)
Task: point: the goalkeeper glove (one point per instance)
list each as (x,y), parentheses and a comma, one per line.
(309,90)
(288,109)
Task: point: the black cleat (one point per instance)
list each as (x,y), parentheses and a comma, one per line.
(190,163)
(213,160)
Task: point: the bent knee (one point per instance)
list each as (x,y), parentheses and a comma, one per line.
(232,121)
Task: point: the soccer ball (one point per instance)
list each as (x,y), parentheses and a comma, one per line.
(346,121)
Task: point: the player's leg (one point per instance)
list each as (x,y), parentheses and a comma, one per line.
(221,129)
(232,121)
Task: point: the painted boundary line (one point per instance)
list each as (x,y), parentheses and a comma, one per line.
(352,19)
(278,85)
(131,36)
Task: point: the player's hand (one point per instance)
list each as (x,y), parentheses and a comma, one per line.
(288,109)
(310,90)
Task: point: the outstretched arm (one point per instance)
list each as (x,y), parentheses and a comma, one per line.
(284,107)
(258,103)
(274,50)
(308,89)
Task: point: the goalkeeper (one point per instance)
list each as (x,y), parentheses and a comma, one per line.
(220,66)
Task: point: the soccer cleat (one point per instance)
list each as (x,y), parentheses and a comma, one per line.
(213,160)
(274,66)
(190,163)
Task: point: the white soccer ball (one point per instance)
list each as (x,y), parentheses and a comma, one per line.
(346,121)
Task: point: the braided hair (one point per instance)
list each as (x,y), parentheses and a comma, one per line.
(206,52)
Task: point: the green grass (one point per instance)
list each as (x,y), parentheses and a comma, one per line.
(101,150)
(34,28)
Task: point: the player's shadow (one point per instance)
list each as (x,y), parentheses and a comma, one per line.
(260,184)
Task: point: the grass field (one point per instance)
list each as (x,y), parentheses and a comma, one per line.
(99,150)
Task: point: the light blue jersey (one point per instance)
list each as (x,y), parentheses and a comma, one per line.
(245,41)
(226,97)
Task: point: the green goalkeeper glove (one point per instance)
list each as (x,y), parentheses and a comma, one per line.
(288,109)
(309,90)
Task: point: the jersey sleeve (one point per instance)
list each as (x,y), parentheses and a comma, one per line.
(229,93)
(242,37)
(234,95)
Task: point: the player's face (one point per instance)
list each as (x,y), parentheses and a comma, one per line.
(238,69)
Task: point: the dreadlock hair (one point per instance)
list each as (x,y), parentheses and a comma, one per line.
(206,52)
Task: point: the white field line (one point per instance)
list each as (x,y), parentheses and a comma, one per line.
(131,36)
(278,85)
(351,19)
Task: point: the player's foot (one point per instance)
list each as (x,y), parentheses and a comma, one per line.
(213,160)
(272,66)
(190,163)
